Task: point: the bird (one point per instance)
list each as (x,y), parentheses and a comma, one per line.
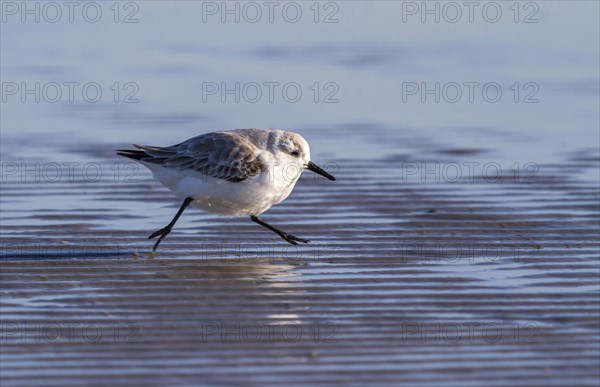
(241,172)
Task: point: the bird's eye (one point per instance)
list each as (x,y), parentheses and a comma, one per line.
(295,153)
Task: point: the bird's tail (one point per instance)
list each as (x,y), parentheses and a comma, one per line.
(151,154)
(132,154)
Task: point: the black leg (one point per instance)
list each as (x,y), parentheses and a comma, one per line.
(287,237)
(163,232)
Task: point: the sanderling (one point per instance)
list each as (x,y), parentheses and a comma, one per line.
(235,173)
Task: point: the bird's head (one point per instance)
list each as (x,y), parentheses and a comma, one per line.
(296,150)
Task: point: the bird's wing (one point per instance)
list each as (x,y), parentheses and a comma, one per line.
(222,155)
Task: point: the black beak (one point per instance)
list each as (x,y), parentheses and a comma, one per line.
(316,169)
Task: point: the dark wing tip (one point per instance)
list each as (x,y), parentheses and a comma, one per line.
(132,154)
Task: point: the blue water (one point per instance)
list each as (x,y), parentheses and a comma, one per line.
(357,66)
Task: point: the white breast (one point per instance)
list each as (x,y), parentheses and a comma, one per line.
(250,197)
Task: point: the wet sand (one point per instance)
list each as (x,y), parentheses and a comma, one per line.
(407,279)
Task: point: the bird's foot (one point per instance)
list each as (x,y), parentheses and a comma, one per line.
(163,232)
(293,239)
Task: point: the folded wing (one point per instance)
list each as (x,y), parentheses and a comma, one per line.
(221,155)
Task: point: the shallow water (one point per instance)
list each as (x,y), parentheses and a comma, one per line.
(460,241)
